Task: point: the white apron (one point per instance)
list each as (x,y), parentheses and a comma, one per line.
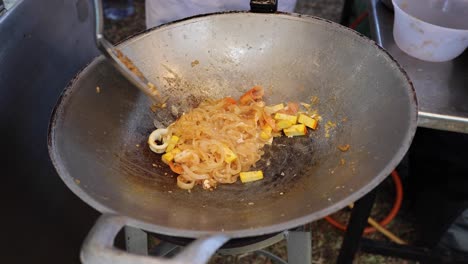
(162,11)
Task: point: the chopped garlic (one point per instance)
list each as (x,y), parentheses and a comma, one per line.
(206,184)
(344,148)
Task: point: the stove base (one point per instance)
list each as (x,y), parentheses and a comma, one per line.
(299,245)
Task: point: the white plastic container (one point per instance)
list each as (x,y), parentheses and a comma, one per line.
(431,30)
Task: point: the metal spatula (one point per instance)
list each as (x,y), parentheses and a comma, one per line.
(121,62)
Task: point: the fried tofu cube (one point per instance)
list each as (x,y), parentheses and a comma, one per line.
(282,124)
(295,130)
(250,176)
(172,143)
(170,155)
(229,155)
(167,157)
(176,151)
(265,134)
(274,108)
(308,121)
(281,116)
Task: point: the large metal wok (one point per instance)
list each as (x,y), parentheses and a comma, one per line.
(98,136)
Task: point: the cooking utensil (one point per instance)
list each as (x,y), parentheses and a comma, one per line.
(98,145)
(120,61)
(435,30)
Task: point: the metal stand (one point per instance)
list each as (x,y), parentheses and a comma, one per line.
(136,241)
(353,241)
(403,251)
(421,254)
(299,246)
(357,223)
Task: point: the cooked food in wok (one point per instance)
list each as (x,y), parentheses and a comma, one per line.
(221,140)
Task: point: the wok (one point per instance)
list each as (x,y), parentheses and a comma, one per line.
(97,140)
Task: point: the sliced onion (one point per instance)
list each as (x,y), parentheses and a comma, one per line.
(187,156)
(157,135)
(193,175)
(234,167)
(185,184)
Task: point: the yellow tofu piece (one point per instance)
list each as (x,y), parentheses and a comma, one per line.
(274,108)
(266,132)
(308,121)
(295,130)
(176,151)
(167,157)
(264,135)
(307,106)
(229,155)
(291,118)
(277,134)
(172,143)
(267,129)
(250,176)
(282,124)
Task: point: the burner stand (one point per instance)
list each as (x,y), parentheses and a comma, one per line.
(298,242)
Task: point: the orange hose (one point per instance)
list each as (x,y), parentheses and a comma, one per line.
(389,217)
(358,20)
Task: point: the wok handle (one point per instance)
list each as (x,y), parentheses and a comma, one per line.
(263,6)
(98,247)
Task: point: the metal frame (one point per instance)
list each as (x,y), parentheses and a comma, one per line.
(99,248)
(299,246)
(357,222)
(136,241)
(353,241)
(422,254)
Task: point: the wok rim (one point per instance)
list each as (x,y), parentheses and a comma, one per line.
(248,232)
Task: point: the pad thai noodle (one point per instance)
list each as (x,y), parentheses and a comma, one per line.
(220,140)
